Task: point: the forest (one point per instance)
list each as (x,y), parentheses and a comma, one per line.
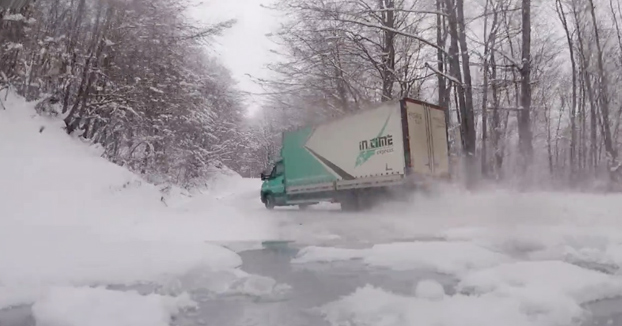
(130,76)
(531,85)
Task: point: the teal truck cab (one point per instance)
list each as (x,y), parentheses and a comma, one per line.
(355,159)
(273,186)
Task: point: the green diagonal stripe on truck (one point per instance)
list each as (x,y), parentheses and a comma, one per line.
(301,166)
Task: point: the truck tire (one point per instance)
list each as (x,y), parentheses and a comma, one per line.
(270,203)
(303,207)
(350,203)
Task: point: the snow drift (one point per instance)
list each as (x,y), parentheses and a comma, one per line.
(70,218)
(518,258)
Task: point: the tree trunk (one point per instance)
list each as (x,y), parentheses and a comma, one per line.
(496,120)
(549,141)
(573,107)
(484,159)
(388,58)
(582,114)
(442,85)
(466,106)
(454,65)
(524,121)
(469,119)
(590,155)
(604,102)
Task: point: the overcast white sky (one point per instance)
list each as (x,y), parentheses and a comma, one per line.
(245,48)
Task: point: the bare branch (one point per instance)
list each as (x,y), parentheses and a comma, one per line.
(453,79)
(384,28)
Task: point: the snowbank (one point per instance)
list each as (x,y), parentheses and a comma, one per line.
(62,258)
(538,281)
(224,184)
(70,218)
(225,282)
(441,257)
(101,307)
(520,258)
(522,293)
(493,289)
(370,306)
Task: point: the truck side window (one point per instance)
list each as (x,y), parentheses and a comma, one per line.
(279,169)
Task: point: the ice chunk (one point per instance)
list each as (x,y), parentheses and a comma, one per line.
(440,256)
(551,290)
(429,289)
(536,278)
(370,306)
(315,254)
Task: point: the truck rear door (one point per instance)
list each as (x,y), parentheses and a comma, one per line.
(427,135)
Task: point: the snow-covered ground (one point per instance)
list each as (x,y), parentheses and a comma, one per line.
(519,258)
(76,232)
(69,219)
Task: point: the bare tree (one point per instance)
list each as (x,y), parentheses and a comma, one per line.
(524,114)
(559,125)
(573,107)
(612,152)
(131,77)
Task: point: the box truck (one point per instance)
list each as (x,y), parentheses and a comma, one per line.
(357,159)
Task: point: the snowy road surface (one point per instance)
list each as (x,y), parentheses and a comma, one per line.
(84,242)
(372,296)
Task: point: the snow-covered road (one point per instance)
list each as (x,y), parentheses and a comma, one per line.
(513,258)
(84,242)
(319,294)
(351,293)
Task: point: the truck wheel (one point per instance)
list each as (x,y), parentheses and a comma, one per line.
(303,207)
(270,203)
(350,203)
(365,202)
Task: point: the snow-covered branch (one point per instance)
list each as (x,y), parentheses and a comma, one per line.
(393,30)
(453,79)
(425,12)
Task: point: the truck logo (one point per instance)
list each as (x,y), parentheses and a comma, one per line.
(381,144)
(375,143)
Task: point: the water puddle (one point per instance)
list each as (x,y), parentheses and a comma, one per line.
(312,285)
